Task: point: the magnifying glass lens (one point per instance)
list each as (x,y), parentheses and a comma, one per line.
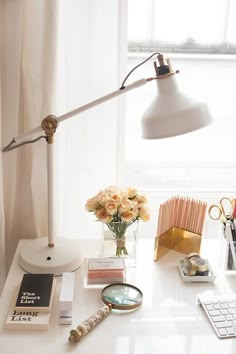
(122,296)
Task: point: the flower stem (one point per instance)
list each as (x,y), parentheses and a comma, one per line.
(121,247)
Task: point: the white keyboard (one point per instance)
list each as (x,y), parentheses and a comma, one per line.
(221,311)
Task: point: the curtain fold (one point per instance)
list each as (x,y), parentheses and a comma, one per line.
(55,56)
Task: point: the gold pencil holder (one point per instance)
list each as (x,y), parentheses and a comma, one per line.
(178,240)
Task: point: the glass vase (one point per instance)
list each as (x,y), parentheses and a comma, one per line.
(120,240)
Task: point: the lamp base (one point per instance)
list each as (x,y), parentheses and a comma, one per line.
(37,257)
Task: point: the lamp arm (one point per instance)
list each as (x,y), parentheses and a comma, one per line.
(19,140)
(103,99)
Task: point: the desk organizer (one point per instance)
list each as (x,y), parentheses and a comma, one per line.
(196,278)
(178,240)
(230,255)
(180,225)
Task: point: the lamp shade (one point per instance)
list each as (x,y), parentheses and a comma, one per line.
(172,112)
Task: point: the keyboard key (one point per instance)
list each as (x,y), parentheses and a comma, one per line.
(222,332)
(229,317)
(230,330)
(217,306)
(232,305)
(206,302)
(223,324)
(224,305)
(216,313)
(218,318)
(231,311)
(222,301)
(209,307)
(223,312)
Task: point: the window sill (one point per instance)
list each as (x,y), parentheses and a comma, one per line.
(190,57)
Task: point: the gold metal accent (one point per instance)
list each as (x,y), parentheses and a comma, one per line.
(75,336)
(163,62)
(49,125)
(178,240)
(160,77)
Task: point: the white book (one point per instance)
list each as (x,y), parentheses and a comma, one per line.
(66,298)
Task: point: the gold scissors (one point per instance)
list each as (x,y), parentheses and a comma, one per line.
(222,212)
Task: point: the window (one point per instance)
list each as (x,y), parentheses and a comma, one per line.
(182,26)
(198,36)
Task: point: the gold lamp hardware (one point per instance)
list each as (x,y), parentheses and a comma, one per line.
(49,125)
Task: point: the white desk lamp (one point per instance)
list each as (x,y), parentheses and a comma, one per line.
(171,113)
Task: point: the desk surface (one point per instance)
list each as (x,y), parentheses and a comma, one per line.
(169,320)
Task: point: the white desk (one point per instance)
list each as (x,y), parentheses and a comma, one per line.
(169,321)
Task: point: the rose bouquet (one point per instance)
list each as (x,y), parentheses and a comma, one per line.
(118,208)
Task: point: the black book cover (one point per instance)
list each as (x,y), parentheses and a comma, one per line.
(36,293)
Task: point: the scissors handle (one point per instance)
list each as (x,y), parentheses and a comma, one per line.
(234,208)
(215,212)
(227,207)
(222,212)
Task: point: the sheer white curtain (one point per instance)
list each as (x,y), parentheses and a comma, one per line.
(56,56)
(28,29)
(91,42)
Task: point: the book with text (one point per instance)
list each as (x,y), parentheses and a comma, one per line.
(35,293)
(26,320)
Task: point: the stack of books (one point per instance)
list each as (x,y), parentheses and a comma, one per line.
(31,307)
(105,270)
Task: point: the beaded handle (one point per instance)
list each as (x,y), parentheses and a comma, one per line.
(85,327)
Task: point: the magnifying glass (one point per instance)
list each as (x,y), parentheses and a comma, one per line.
(120,297)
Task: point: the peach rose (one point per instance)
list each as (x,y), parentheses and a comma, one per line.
(142,198)
(112,189)
(102,198)
(124,206)
(135,212)
(124,193)
(111,208)
(134,202)
(92,204)
(127,216)
(103,216)
(115,197)
(132,192)
(144,213)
